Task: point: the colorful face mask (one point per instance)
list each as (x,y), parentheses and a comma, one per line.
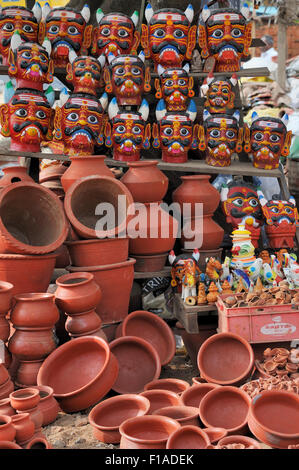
(175,87)
(267,140)
(67,30)
(18,19)
(115,34)
(85,73)
(225,35)
(220,137)
(185,270)
(128,133)
(78,123)
(127,78)
(220,96)
(26,118)
(169,38)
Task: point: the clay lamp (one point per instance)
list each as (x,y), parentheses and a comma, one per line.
(188,437)
(185,415)
(161,398)
(174,385)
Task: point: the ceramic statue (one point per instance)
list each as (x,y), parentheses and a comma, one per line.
(185,272)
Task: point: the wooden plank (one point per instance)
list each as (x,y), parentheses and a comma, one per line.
(164,273)
(189,316)
(10,155)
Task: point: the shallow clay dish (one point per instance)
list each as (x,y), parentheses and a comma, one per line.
(215,434)
(161,398)
(193,395)
(188,437)
(185,415)
(174,385)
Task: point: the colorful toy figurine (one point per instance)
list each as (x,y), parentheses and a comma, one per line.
(213,269)
(14,18)
(67,30)
(128,132)
(85,73)
(175,87)
(281,220)
(220,136)
(168,38)
(240,203)
(176,133)
(225,35)
(78,123)
(219,93)
(243,249)
(185,272)
(127,78)
(267,140)
(116,34)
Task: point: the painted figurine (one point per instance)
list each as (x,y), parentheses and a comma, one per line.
(175,87)
(219,93)
(243,250)
(67,30)
(212,295)
(127,78)
(175,133)
(225,35)
(116,34)
(220,136)
(128,132)
(78,123)
(168,38)
(267,140)
(185,272)
(23,20)
(85,73)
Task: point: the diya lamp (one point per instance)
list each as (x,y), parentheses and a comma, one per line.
(175,133)
(168,38)
(127,132)
(85,73)
(267,140)
(219,93)
(225,35)
(127,78)
(14,18)
(116,34)
(175,87)
(220,136)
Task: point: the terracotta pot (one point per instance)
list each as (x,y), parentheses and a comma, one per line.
(75,392)
(131,352)
(246,441)
(52,173)
(90,165)
(174,385)
(7,430)
(115,281)
(15,174)
(84,324)
(15,269)
(32,220)
(6,289)
(98,252)
(4,375)
(150,263)
(205,229)
(225,407)
(197,189)
(77,292)
(62,258)
(9,445)
(198,381)
(215,434)
(34,310)
(185,415)
(47,404)
(274,418)
(188,437)
(193,395)
(82,199)
(6,388)
(225,359)
(146,432)
(145,181)
(161,398)
(39,443)
(6,408)
(24,399)
(24,427)
(107,416)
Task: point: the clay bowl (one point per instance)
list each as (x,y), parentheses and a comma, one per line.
(177,386)
(139,363)
(24,399)
(147,432)
(185,415)
(193,395)
(198,380)
(97,366)
(153,329)
(235,439)
(188,437)
(98,252)
(161,398)
(107,416)
(225,407)
(225,359)
(274,418)
(215,434)
(9,445)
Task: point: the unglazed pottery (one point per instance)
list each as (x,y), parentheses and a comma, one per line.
(9,445)
(235,439)
(48,405)
(7,430)
(193,395)
(77,292)
(145,181)
(215,434)
(160,398)
(6,408)
(24,427)
(98,252)
(185,415)
(174,385)
(80,167)
(188,437)
(24,399)
(14,174)
(38,443)
(34,310)
(6,388)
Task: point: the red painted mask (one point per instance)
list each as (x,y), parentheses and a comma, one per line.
(84,73)
(220,96)
(175,87)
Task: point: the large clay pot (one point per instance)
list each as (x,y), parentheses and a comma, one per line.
(188,437)
(90,165)
(82,200)
(204,229)
(174,385)
(32,220)
(99,251)
(24,427)
(145,181)
(193,395)
(77,292)
(47,404)
(185,415)
(7,430)
(6,290)
(161,398)
(34,310)
(6,388)
(15,174)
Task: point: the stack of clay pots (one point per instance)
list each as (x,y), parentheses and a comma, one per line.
(5,305)
(50,177)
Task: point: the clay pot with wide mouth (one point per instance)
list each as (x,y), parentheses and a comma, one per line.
(4,374)
(15,174)
(78,391)
(34,310)
(77,292)
(177,386)
(80,167)
(185,415)
(150,263)
(145,181)
(52,173)
(226,407)
(131,352)
(9,445)
(32,220)
(99,251)
(188,437)
(193,395)
(39,443)
(147,432)
(6,408)
(153,329)
(6,294)
(160,399)
(24,399)
(82,201)
(235,439)
(215,434)
(225,359)
(274,418)
(47,404)
(7,430)
(107,416)
(24,427)
(6,388)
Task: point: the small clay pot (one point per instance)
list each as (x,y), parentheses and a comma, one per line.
(9,445)
(24,427)
(7,430)
(14,174)
(6,408)
(193,395)
(161,398)
(185,415)
(98,252)
(174,385)
(235,439)
(215,434)
(188,437)
(77,292)
(24,399)
(47,405)
(39,443)
(34,310)
(6,294)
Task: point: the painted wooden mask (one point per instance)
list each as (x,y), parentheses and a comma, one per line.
(225,34)
(184,266)
(168,38)
(127,132)
(219,95)
(175,87)
(116,34)
(85,73)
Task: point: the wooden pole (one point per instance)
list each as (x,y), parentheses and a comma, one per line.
(282,54)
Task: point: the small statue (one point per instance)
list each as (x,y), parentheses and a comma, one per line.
(219,96)
(201,294)
(175,87)
(185,272)
(213,269)
(226,288)
(85,73)
(212,296)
